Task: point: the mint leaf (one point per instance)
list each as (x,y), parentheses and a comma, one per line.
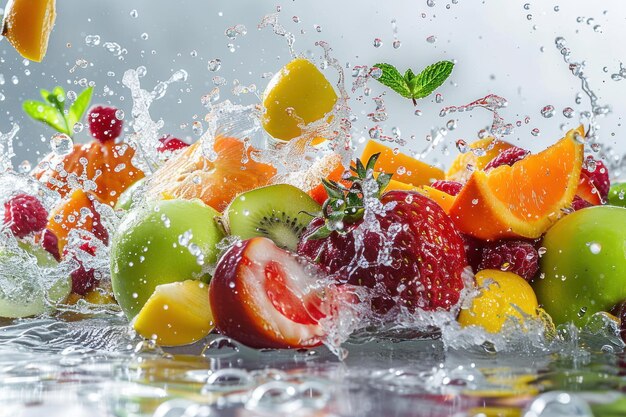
(47,114)
(392,78)
(78,108)
(52,112)
(430,78)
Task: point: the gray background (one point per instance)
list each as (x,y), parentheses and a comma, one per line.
(497,46)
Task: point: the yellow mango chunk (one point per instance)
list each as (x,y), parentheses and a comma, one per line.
(501,291)
(298,93)
(176,314)
(27,26)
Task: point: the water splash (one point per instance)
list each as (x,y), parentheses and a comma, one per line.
(271,20)
(6,148)
(493,103)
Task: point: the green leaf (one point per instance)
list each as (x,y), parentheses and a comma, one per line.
(46,113)
(360,169)
(44,94)
(383,181)
(371,163)
(408,75)
(430,78)
(321,233)
(79,106)
(392,78)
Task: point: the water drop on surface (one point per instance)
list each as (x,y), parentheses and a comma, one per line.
(396,44)
(547,111)
(431,39)
(377,43)
(595,248)
(535,132)
(568,112)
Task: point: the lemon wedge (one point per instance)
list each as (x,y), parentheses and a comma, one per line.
(27,26)
(176,314)
(298,93)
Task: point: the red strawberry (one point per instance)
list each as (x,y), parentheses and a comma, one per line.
(517,256)
(448,187)
(104,124)
(579,203)
(50,242)
(170,144)
(508,156)
(265,297)
(416,260)
(24,214)
(598,175)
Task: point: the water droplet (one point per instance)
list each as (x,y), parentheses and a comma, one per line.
(418,112)
(535,132)
(431,39)
(61,144)
(527,6)
(451,124)
(462,146)
(547,111)
(529,17)
(377,43)
(430,3)
(396,44)
(144,36)
(24,167)
(318,28)
(214,64)
(197,128)
(134,14)
(78,127)
(296,19)
(568,112)
(92,40)
(595,248)
(438,98)
(119,114)
(556,8)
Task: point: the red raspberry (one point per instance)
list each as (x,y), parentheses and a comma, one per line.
(515,256)
(507,157)
(50,242)
(103,124)
(24,214)
(170,143)
(599,177)
(84,280)
(473,250)
(448,187)
(580,203)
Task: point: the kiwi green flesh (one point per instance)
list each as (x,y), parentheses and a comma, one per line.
(279,212)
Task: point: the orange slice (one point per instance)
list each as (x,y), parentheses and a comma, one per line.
(403,167)
(444,200)
(491,147)
(192,175)
(27,26)
(523,199)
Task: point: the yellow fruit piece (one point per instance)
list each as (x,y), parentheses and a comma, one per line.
(501,293)
(400,186)
(99,296)
(176,314)
(298,93)
(27,26)
(490,148)
(444,200)
(495,412)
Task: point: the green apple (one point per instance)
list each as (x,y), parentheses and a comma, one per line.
(172,240)
(29,283)
(617,194)
(126,199)
(584,267)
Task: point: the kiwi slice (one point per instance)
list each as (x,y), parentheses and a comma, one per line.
(279,212)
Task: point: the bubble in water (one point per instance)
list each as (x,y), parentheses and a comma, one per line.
(535,132)
(78,127)
(377,43)
(431,39)
(92,40)
(61,144)
(215,64)
(568,112)
(119,114)
(547,111)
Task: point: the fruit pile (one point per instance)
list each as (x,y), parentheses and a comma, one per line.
(218,244)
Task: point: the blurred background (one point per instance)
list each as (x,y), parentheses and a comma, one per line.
(501,47)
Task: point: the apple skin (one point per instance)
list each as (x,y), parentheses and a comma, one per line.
(618,190)
(145,251)
(127,198)
(584,264)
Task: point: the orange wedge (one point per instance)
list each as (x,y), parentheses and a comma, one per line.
(524,199)
(192,175)
(27,26)
(444,200)
(490,148)
(403,167)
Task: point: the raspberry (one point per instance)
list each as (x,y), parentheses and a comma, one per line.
(473,251)
(507,157)
(580,203)
(84,280)
(515,256)
(24,214)
(598,175)
(448,187)
(103,124)
(170,144)
(50,243)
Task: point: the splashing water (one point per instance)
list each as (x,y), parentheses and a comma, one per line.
(6,148)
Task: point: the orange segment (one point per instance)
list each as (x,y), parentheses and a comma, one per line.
(318,193)
(28,24)
(444,200)
(399,186)
(523,199)
(192,175)
(412,171)
(459,169)
(76,211)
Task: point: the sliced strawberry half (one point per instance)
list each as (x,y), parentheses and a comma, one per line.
(265,297)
